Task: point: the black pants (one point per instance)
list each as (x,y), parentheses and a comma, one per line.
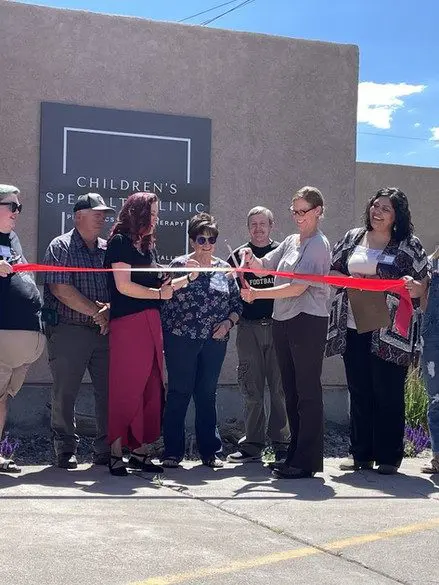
(376,389)
(300,344)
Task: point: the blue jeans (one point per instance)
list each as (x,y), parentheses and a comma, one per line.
(430,360)
(194,366)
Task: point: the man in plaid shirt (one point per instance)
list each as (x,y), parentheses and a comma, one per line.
(76,314)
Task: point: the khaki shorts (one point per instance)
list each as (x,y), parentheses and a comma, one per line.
(18,350)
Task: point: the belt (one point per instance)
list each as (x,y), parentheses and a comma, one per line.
(264,321)
(64,321)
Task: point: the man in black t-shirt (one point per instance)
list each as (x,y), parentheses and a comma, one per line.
(21,337)
(257,357)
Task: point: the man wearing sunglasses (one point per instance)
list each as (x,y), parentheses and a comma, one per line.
(21,337)
(76,314)
(256,354)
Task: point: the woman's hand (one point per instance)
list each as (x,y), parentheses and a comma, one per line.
(5,268)
(220,330)
(415,288)
(247,257)
(102,316)
(191,263)
(166,292)
(248,295)
(167,279)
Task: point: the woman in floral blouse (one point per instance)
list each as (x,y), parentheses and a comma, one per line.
(196,324)
(376,363)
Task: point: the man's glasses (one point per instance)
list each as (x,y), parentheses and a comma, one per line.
(300,212)
(201,240)
(13,206)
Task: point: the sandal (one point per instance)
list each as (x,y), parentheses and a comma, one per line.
(142,462)
(170,462)
(117,466)
(213,462)
(8,466)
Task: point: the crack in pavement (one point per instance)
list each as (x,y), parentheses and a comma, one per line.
(282,532)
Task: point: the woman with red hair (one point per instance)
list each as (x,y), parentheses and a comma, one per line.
(136,392)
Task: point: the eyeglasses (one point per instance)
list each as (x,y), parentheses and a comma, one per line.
(300,212)
(201,240)
(13,206)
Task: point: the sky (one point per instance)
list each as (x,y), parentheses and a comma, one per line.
(398,103)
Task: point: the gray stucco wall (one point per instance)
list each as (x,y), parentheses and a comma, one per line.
(283,110)
(420,184)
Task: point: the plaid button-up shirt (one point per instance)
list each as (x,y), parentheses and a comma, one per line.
(70,250)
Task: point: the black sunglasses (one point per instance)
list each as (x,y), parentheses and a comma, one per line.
(13,206)
(203,239)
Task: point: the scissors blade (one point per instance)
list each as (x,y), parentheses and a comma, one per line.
(242,280)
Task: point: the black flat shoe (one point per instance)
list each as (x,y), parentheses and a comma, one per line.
(350,464)
(142,462)
(385,469)
(286,472)
(276,465)
(117,466)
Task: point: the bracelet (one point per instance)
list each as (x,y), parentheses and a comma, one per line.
(232,322)
(188,276)
(160,294)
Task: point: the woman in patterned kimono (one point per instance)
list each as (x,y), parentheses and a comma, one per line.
(376,362)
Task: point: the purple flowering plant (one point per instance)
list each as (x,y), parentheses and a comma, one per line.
(416,436)
(416,440)
(8,447)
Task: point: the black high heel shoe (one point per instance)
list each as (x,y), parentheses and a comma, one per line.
(115,469)
(142,462)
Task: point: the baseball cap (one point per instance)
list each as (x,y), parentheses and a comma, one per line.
(92,201)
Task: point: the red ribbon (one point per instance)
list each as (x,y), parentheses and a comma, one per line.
(403,315)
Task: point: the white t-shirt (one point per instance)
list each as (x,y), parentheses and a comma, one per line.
(363,261)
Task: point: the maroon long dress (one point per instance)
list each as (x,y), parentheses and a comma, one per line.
(136,391)
(136,378)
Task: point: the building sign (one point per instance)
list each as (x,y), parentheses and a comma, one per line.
(119,152)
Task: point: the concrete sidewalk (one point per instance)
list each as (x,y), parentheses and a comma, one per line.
(234,525)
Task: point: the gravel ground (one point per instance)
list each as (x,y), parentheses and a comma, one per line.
(37,449)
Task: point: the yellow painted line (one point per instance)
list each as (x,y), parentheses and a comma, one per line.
(271,559)
(398,531)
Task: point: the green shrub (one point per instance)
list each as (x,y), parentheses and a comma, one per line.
(416,400)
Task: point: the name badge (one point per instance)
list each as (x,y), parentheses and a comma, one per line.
(5,251)
(386,259)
